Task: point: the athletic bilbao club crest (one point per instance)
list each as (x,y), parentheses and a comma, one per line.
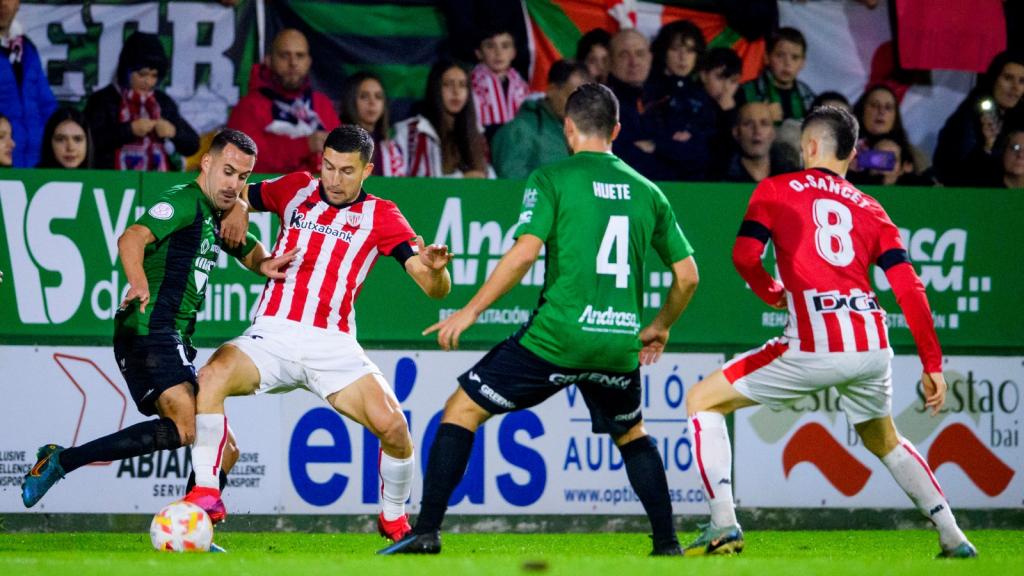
(354,219)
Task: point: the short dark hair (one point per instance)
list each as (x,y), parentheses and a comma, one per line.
(721,57)
(351,138)
(240,139)
(828,96)
(841,125)
(561,71)
(492,30)
(594,108)
(788,34)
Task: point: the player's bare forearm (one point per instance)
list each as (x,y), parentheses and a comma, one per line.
(509,272)
(679,295)
(435,283)
(255,256)
(429,268)
(131,248)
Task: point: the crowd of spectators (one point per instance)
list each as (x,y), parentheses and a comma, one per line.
(684,113)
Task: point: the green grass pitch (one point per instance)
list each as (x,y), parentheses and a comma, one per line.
(860,553)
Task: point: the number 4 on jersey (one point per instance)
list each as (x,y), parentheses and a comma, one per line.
(616,237)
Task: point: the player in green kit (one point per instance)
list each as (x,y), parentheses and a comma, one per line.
(167,255)
(597,217)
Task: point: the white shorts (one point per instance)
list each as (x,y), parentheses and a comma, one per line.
(291,355)
(778,374)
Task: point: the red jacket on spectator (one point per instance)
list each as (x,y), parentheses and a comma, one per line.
(281,121)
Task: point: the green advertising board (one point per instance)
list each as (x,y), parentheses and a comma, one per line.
(62,281)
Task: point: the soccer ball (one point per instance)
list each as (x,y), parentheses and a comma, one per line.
(181,527)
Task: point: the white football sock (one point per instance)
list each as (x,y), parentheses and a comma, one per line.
(211,434)
(713,454)
(396,484)
(916,479)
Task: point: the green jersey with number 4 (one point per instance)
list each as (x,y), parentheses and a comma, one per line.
(597,218)
(178,264)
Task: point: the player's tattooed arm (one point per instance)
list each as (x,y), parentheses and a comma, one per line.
(131,247)
(655,335)
(429,268)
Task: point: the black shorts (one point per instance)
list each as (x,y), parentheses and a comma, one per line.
(510,378)
(153,363)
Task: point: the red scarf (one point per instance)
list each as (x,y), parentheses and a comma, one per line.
(146,154)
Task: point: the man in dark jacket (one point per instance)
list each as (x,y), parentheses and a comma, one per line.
(134,125)
(630,67)
(25,95)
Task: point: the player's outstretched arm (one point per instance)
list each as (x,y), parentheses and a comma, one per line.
(509,272)
(131,247)
(429,268)
(655,335)
(746,257)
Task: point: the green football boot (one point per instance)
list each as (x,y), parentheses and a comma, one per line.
(43,475)
(716,541)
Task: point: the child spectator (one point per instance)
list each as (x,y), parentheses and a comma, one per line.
(675,54)
(365,103)
(66,141)
(498,90)
(444,140)
(592,51)
(720,78)
(1010,148)
(6,143)
(135,125)
(778,84)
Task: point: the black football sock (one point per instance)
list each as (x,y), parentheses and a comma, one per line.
(646,473)
(223,478)
(135,440)
(449,456)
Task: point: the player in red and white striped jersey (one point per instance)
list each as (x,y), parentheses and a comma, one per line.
(304,332)
(827,235)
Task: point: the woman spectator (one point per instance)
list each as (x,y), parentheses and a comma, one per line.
(964,153)
(592,51)
(6,142)
(878,112)
(66,141)
(444,139)
(365,103)
(134,125)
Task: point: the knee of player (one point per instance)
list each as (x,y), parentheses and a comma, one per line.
(212,379)
(186,425)
(394,431)
(695,400)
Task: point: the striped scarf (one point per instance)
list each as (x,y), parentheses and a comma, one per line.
(146,154)
(494,105)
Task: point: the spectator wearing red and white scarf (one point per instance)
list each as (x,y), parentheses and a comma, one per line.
(498,89)
(134,125)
